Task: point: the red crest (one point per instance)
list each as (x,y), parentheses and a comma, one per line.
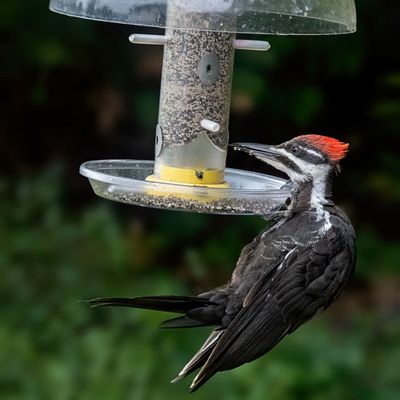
(333,148)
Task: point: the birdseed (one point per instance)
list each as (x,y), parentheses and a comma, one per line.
(185,100)
(218,206)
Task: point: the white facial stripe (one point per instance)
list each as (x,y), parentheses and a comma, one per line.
(319,189)
(293,175)
(318,200)
(305,166)
(318,173)
(313,152)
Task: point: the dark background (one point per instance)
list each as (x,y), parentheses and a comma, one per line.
(74,90)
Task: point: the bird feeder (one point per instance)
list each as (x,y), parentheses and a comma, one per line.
(192,134)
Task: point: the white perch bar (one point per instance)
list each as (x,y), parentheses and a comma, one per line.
(239,44)
(255,45)
(210,125)
(138,38)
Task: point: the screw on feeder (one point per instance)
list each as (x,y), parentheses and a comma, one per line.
(199,175)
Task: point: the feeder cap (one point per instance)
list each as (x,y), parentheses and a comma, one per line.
(281,17)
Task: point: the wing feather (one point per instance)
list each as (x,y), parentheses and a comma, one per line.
(281,302)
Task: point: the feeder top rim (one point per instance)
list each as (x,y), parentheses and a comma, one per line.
(246,193)
(123,173)
(275,17)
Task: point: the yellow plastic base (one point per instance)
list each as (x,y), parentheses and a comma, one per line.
(190,177)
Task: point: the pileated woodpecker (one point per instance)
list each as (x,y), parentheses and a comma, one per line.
(289,273)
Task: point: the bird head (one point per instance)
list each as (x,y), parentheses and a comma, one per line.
(304,158)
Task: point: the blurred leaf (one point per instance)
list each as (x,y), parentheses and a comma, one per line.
(307,103)
(387,109)
(146,109)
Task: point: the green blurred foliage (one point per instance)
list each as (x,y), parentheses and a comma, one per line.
(55,347)
(76,90)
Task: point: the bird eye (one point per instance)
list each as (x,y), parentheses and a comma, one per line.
(294,149)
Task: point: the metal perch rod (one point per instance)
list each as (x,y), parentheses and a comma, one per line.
(239,44)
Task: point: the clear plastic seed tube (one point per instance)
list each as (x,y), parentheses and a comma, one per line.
(192,133)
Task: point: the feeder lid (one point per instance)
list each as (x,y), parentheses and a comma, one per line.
(284,17)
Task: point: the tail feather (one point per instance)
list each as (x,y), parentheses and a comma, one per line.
(182,322)
(175,304)
(191,306)
(201,357)
(201,378)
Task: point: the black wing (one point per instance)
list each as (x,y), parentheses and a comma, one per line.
(305,283)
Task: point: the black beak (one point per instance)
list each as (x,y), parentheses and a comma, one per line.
(262,151)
